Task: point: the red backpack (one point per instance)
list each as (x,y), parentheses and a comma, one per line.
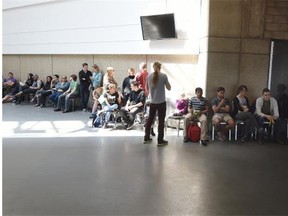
(193,132)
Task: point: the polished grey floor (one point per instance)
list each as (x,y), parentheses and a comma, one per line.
(56,164)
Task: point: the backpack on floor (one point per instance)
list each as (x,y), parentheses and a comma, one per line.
(193,132)
(98,120)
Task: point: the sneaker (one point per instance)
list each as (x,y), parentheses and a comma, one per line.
(162,143)
(185,140)
(152,132)
(84,110)
(33,100)
(36,105)
(148,141)
(244,139)
(130,126)
(220,136)
(203,143)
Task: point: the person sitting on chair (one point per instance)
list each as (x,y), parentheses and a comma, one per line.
(36,85)
(267,111)
(47,90)
(197,109)
(221,109)
(8,84)
(71,93)
(241,111)
(112,102)
(134,105)
(60,88)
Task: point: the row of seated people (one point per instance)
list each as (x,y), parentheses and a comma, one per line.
(265,110)
(58,92)
(14,91)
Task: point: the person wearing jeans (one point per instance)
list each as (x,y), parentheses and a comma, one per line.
(156,83)
(71,93)
(112,101)
(267,111)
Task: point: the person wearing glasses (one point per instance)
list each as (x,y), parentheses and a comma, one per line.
(267,114)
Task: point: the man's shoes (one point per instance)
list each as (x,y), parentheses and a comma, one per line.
(42,106)
(58,109)
(162,143)
(152,132)
(33,100)
(185,140)
(148,141)
(279,141)
(66,111)
(130,126)
(36,105)
(221,136)
(261,141)
(243,139)
(203,143)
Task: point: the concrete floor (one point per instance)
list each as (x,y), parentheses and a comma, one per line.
(56,164)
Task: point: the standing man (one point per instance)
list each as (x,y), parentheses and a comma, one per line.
(156,83)
(126,85)
(197,109)
(141,77)
(221,109)
(85,81)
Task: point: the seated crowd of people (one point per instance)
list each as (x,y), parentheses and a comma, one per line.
(106,95)
(261,117)
(265,112)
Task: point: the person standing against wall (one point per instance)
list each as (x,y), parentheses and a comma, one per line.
(141,77)
(96,76)
(156,83)
(85,81)
(126,85)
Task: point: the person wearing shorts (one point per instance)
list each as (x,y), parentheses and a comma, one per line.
(221,108)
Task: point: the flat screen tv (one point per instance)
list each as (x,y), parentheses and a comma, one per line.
(158,27)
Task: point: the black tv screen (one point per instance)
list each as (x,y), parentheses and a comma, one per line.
(158,27)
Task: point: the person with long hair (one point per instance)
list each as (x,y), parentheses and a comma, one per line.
(155,84)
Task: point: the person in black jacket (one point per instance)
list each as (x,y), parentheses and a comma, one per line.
(126,86)
(85,81)
(241,111)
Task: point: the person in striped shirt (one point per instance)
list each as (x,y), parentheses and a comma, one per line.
(198,107)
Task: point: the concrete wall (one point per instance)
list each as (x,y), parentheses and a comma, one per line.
(182,69)
(234,49)
(240,32)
